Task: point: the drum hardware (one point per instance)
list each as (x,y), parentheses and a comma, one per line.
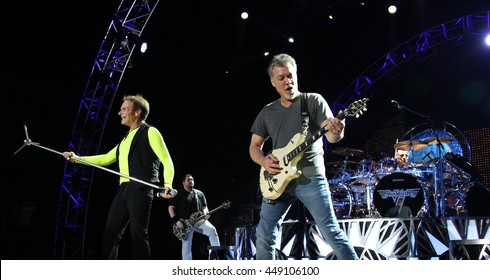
(455,203)
(341,166)
(342,169)
(366,167)
(369,200)
(348,152)
(360,183)
(339,163)
(458,176)
(364,203)
(387,165)
(460,165)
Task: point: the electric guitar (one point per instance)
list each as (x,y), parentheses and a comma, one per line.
(272,186)
(196,219)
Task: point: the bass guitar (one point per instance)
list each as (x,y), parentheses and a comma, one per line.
(196,219)
(272,186)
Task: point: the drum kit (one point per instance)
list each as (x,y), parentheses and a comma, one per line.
(433,181)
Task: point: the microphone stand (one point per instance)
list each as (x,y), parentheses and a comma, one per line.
(438,182)
(28,142)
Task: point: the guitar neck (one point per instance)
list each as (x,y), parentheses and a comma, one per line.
(308,142)
(215,209)
(209,213)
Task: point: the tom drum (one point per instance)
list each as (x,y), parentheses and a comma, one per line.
(342,201)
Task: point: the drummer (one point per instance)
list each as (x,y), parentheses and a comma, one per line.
(401,157)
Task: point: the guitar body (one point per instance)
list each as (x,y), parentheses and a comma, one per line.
(181,233)
(272,186)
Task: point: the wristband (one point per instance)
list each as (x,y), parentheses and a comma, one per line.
(175,219)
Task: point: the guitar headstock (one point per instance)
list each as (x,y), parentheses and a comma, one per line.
(226,204)
(356,108)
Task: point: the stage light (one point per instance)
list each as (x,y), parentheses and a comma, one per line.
(124,43)
(392,9)
(143,47)
(244,15)
(487,40)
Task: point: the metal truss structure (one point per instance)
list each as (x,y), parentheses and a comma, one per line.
(107,72)
(451,34)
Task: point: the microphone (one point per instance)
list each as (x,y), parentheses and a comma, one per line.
(171,193)
(396,104)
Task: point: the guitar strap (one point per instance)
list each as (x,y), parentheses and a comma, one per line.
(304,112)
(198,202)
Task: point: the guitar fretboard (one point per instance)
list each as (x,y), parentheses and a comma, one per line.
(310,140)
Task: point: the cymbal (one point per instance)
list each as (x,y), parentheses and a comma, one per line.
(340,170)
(433,140)
(408,145)
(339,163)
(347,152)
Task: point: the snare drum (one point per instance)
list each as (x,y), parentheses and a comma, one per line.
(342,201)
(399,189)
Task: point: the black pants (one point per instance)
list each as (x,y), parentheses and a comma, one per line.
(131,205)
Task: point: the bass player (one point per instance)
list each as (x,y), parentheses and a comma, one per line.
(190,202)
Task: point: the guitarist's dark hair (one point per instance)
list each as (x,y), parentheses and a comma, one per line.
(185,176)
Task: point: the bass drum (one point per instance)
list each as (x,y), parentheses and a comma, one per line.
(342,201)
(399,195)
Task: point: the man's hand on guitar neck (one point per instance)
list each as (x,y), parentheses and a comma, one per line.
(335,131)
(206,214)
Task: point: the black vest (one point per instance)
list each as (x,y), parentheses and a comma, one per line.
(143,162)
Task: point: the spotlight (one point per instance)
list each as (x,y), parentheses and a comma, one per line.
(392,9)
(143,47)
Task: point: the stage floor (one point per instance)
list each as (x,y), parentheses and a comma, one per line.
(451,238)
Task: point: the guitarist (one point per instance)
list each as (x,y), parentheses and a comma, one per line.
(281,120)
(188,201)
